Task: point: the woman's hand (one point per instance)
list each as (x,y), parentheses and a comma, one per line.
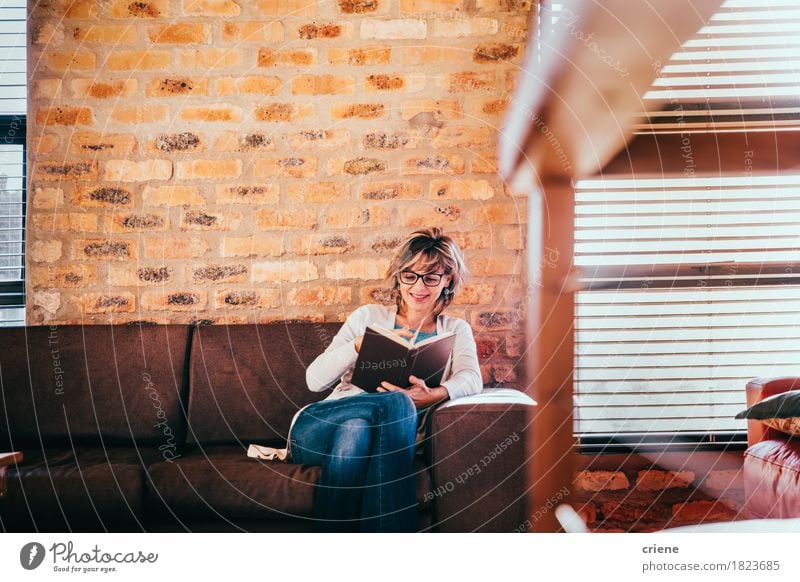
(420,394)
(358,341)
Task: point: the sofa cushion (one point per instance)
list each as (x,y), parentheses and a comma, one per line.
(222,483)
(84,383)
(88,489)
(248,380)
(772,479)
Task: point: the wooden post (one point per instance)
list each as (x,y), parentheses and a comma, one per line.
(550,360)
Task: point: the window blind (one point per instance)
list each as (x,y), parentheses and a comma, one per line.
(13,107)
(739,71)
(694,288)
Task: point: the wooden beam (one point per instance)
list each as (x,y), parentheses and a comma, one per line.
(687,154)
(550,333)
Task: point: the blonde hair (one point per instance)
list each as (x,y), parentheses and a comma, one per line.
(436,250)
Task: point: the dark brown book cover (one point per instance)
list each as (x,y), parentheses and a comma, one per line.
(385,355)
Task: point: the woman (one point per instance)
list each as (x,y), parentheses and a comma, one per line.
(365,442)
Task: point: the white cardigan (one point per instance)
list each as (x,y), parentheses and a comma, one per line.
(334,367)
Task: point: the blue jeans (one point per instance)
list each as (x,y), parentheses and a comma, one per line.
(365,445)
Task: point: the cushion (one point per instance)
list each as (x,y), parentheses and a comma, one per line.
(248,380)
(789,426)
(86,384)
(784,405)
(86,489)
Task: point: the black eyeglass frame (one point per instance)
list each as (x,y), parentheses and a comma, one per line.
(421,276)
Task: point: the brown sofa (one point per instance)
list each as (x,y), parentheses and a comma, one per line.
(146,427)
(772,459)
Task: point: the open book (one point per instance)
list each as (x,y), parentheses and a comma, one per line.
(384,355)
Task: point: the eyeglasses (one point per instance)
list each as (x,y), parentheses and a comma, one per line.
(428,279)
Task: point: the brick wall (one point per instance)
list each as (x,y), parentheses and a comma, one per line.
(255,160)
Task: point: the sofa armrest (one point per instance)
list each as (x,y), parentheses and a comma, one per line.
(758,389)
(478,461)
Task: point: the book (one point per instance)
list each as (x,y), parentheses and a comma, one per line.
(384,355)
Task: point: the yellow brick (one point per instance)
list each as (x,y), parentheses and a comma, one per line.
(322,30)
(356,216)
(362,6)
(470,81)
(260,85)
(428,6)
(123,302)
(211,8)
(496,265)
(474,239)
(100,196)
(146,60)
(227,113)
(69,61)
(137,222)
(179,300)
(405,83)
(206,220)
(441,109)
(375,55)
(185,141)
(498,213)
(295,167)
(176,86)
(247,194)
(124,9)
(48,33)
(492,53)
(75,275)
(78,9)
(108,34)
(398,29)
(360,269)
(208,169)
(277,112)
(89,88)
(358,110)
(434,164)
(248,298)
(464,27)
(259,32)
(257,141)
(441,215)
(285,219)
(317,192)
(50,89)
(361,166)
(172,195)
(322,85)
(484,162)
(138,114)
(48,198)
(390,190)
(269,57)
(128,171)
(514,239)
(181,33)
(284,271)
(210,58)
(53,171)
(465,137)
(70,222)
(64,116)
(428,55)
(461,190)
(319,138)
(94,144)
(158,247)
(46,144)
(328,244)
(122,275)
(291,8)
(480,294)
(320,296)
(252,246)
(45,251)
(99,249)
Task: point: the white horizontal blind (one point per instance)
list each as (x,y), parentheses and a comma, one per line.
(741,70)
(695,292)
(13,67)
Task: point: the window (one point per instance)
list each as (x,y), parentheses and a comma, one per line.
(13,104)
(694,282)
